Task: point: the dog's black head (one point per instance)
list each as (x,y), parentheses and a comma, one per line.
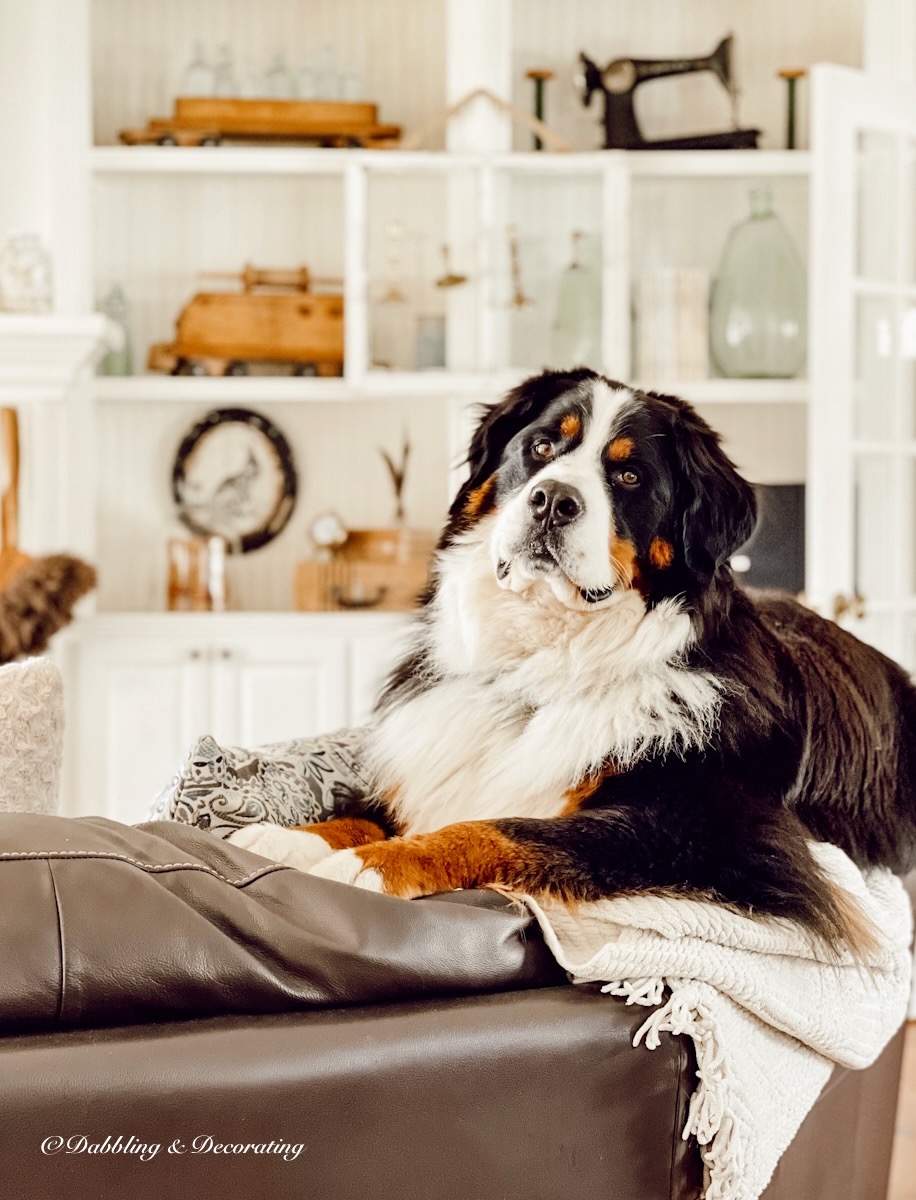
(591,488)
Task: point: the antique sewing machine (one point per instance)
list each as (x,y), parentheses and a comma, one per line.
(620,79)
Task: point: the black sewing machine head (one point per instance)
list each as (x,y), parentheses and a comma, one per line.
(619,81)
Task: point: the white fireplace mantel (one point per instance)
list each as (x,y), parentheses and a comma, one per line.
(41,355)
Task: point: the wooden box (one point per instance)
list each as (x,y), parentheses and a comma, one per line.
(275,118)
(298,327)
(382,569)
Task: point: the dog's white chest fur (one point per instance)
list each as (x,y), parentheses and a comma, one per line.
(533,698)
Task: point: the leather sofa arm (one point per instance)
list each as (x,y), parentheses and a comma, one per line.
(111,924)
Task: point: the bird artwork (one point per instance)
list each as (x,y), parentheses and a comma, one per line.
(234,478)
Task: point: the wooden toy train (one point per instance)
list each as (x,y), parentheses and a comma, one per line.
(208,121)
(222,333)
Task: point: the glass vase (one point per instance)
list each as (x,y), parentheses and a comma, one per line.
(120,360)
(25,275)
(758,308)
(575,335)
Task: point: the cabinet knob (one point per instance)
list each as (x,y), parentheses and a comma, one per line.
(195,656)
(225,654)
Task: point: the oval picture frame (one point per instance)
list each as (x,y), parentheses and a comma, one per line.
(273,502)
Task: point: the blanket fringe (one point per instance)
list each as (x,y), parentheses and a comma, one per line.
(708,1116)
(637,991)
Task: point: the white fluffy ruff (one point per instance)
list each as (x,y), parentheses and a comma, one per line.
(534,698)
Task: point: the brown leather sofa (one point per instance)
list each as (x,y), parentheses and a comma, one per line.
(160,986)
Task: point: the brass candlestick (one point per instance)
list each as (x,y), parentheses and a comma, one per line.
(791,75)
(519,298)
(394,293)
(539,76)
(449,278)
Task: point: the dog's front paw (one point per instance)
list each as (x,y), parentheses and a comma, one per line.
(347,866)
(292,847)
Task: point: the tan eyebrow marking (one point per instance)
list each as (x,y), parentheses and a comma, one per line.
(571,425)
(661,553)
(620,449)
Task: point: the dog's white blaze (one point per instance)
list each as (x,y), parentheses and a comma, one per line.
(535,696)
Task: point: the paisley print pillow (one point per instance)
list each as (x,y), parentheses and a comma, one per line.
(222,788)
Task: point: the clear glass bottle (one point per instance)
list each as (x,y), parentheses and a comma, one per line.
(575,336)
(277,82)
(114,305)
(327,83)
(25,275)
(197,79)
(225,84)
(350,83)
(251,83)
(758,306)
(305,80)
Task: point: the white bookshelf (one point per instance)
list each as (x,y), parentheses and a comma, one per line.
(156,217)
(289,160)
(385,386)
(42,354)
(97,468)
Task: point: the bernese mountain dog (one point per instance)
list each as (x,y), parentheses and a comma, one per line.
(592,707)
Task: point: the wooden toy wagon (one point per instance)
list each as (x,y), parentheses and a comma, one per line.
(208,120)
(221,333)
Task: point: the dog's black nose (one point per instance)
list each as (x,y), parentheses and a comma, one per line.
(554,503)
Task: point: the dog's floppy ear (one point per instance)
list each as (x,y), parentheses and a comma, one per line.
(501,422)
(718,507)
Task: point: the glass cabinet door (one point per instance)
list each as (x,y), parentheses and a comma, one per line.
(862,471)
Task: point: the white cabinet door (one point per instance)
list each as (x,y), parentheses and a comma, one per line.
(140,706)
(372,660)
(861,548)
(269,689)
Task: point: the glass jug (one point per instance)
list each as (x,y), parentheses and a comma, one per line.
(758,309)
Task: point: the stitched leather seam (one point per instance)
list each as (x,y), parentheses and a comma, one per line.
(150,868)
(681,1103)
(60,942)
(678,1071)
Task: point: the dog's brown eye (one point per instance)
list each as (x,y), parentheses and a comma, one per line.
(630,478)
(542,449)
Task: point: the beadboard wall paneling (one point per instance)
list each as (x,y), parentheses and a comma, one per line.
(154,234)
(140,49)
(768,36)
(336,453)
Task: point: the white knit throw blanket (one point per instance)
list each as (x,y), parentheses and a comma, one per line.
(768,1011)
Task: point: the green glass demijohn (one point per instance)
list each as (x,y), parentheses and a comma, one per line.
(758,307)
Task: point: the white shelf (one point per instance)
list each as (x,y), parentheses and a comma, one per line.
(216,160)
(110,624)
(479,385)
(385,385)
(41,355)
(294,160)
(281,389)
(723,164)
(139,389)
(733,391)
